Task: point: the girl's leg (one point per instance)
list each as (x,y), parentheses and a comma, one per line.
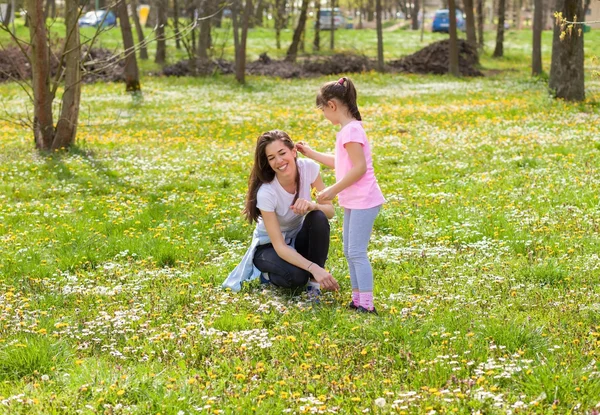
(312,242)
(351,268)
(359,233)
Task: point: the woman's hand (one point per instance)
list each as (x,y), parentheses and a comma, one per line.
(324,278)
(304,148)
(326,195)
(303,206)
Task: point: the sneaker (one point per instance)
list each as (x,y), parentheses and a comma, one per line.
(313,291)
(361,309)
(352,306)
(264,279)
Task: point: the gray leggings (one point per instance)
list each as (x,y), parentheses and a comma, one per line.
(358,225)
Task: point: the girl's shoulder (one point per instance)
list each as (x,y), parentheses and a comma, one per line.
(353,131)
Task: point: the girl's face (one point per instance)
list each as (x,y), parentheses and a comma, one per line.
(281,159)
(330,111)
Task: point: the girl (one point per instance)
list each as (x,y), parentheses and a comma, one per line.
(291,239)
(356,186)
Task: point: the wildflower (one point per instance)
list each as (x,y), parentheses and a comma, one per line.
(380,402)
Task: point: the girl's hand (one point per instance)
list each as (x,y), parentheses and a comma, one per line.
(326,195)
(303,206)
(324,278)
(303,148)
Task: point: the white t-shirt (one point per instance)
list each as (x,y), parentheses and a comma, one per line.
(272,197)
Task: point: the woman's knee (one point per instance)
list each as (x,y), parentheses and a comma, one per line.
(317,220)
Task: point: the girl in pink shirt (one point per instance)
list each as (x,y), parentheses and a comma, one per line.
(356,186)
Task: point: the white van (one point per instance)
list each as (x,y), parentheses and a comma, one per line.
(325,19)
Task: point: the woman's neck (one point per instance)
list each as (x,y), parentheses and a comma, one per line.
(288,182)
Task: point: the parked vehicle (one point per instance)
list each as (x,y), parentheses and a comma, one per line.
(96,18)
(441,21)
(325,19)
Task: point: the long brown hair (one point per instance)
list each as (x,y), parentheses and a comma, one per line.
(262,171)
(344,91)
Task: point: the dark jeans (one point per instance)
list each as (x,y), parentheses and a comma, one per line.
(312,242)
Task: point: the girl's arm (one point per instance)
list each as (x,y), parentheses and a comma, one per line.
(323,158)
(359,168)
(290,255)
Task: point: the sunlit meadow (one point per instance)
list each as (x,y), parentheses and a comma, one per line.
(486,255)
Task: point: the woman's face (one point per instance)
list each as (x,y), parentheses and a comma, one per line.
(281,159)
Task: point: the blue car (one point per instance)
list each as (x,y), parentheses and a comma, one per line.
(96,18)
(441,21)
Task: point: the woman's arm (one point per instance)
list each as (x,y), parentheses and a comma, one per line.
(303,206)
(323,158)
(292,256)
(359,168)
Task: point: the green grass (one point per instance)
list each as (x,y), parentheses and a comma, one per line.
(485,255)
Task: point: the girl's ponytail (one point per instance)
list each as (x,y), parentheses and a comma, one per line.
(344,91)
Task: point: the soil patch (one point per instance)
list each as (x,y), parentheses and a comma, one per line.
(434,59)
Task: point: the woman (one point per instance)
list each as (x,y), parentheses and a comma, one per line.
(291,240)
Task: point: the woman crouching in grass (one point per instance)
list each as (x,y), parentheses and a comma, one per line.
(291,240)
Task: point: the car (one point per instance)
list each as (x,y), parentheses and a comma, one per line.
(441,21)
(95,18)
(325,19)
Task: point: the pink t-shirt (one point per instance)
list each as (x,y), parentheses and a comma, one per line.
(364,193)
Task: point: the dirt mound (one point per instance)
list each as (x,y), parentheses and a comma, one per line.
(13,65)
(338,64)
(435,59)
(200,67)
(281,69)
(100,65)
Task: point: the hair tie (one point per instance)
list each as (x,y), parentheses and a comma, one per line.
(341,81)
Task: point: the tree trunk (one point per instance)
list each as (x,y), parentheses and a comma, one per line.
(132,76)
(566,69)
(66,127)
(152,19)
(480,23)
(292,51)
(499,50)
(536,53)
(415,16)
(332,34)
(279,20)
(240,22)
(453,49)
(258,15)
(43,124)
(139,31)
(317,41)
(176,24)
(161,43)
(586,7)
(380,64)
(204,37)
(470,23)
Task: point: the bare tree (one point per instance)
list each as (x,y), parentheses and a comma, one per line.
(240,24)
(139,31)
(317,40)
(566,68)
(415,16)
(292,51)
(480,23)
(378,11)
(161,43)
(536,52)
(332,28)
(47,136)
(279,20)
(204,37)
(453,49)
(499,50)
(176,24)
(132,75)
(470,22)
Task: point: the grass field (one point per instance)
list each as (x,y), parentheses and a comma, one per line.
(485,256)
